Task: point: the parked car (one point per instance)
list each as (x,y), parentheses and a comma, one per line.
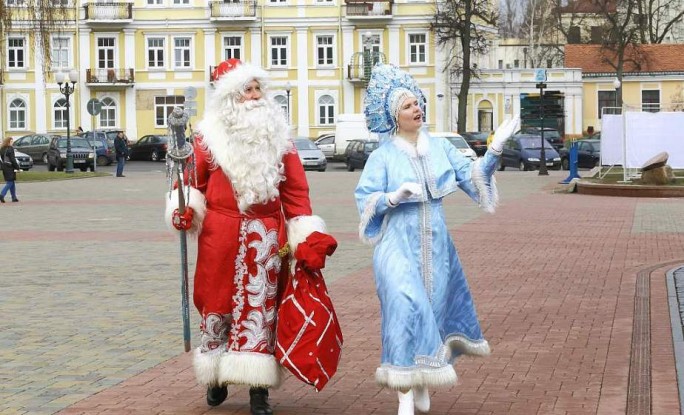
(459,142)
(149,147)
(80,149)
(550,134)
(524,152)
(477,141)
(104,150)
(357,153)
(312,157)
(24,161)
(326,142)
(588,154)
(35,145)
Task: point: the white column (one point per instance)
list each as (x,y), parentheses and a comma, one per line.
(347,53)
(440,90)
(83,54)
(257,42)
(394,43)
(129,62)
(302,82)
(210,58)
(40,94)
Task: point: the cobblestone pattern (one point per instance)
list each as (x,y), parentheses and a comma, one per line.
(92,313)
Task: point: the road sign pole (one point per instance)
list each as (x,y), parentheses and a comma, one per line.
(543,171)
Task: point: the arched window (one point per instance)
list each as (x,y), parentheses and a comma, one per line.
(60,113)
(326,110)
(17,114)
(281,100)
(108,113)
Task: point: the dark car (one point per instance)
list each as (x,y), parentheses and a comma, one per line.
(81,150)
(105,153)
(477,141)
(524,152)
(35,145)
(588,154)
(149,147)
(357,152)
(24,161)
(550,134)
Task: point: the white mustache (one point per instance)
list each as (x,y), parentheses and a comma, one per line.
(252,104)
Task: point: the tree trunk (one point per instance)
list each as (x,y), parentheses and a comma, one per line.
(465,84)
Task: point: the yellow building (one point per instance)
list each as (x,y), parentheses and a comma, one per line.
(653,80)
(142,58)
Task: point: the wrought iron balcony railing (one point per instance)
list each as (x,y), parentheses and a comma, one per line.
(369,9)
(110,76)
(230,10)
(112,11)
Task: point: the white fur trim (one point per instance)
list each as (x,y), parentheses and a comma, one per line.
(207,366)
(421,148)
(489,194)
(401,379)
(249,368)
(300,227)
(196,200)
(368,215)
(467,346)
(234,82)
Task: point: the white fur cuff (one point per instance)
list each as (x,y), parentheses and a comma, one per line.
(299,228)
(249,368)
(195,200)
(207,366)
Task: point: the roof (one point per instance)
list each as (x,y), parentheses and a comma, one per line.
(652,58)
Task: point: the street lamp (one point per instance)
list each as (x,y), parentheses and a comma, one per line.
(616,84)
(367,55)
(67,90)
(288,88)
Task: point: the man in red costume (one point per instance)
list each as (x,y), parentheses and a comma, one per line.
(251,209)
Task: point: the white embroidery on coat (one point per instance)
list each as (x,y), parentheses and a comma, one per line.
(238,279)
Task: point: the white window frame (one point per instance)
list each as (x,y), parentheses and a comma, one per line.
(336,106)
(332,47)
(378,47)
(409,44)
(24,50)
(62,110)
(10,110)
(189,50)
(180,3)
(240,48)
(167,106)
(156,48)
(154,3)
(288,54)
(105,108)
(67,51)
(277,2)
(281,101)
(15,3)
(651,107)
(114,48)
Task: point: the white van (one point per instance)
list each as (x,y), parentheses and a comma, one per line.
(350,127)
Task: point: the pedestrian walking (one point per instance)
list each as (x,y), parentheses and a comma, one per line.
(250,208)
(10,167)
(428,315)
(121,148)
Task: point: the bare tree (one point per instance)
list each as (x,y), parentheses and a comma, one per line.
(510,18)
(40,19)
(539,30)
(461,28)
(656,18)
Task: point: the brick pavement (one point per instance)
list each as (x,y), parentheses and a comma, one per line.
(94,325)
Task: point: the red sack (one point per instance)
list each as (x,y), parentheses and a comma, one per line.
(309,338)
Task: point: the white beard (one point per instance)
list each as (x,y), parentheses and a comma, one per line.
(248,141)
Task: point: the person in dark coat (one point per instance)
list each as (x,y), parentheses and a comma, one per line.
(10,167)
(121,148)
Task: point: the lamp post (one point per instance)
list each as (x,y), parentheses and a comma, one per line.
(288,88)
(617,84)
(67,90)
(367,55)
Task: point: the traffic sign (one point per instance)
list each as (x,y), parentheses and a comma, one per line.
(94,106)
(540,75)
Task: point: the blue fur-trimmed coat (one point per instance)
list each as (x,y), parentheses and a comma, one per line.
(428,316)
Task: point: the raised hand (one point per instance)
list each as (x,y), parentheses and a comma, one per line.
(404,193)
(504,132)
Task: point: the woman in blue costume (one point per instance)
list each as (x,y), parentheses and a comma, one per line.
(428,316)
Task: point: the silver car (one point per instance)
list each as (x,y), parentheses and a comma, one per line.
(311,156)
(24,161)
(326,142)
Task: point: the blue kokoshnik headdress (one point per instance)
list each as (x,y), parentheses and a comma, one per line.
(387,84)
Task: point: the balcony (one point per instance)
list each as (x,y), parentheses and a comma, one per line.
(232,11)
(369,9)
(112,12)
(359,69)
(110,78)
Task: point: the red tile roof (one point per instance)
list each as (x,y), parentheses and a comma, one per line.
(652,58)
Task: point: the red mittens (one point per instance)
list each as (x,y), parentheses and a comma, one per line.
(182,222)
(311,253)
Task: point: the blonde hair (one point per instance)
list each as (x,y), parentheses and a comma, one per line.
(6,142)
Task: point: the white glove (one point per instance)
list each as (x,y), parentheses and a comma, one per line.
(404,193)
(504,132)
